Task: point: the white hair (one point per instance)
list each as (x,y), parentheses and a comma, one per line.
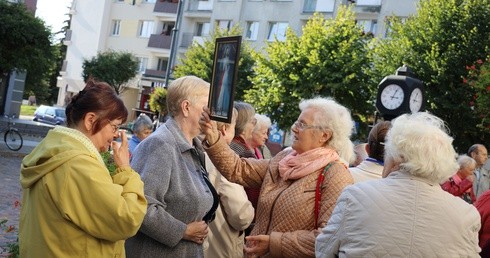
(336,118)
(262,122)
(465,161)
(421,145)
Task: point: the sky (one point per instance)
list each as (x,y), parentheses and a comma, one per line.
(53,12)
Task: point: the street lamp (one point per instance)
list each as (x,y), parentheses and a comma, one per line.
(173,43)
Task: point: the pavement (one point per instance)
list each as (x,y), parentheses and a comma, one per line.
(10,189)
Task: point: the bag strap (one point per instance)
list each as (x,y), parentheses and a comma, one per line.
(318,193)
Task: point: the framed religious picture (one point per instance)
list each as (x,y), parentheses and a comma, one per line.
(223,79)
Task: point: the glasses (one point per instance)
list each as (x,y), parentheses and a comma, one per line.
(115,128)
(302,126)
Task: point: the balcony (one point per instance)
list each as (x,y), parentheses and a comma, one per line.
(367,6)
(160,41)
(154,73)
(166,6)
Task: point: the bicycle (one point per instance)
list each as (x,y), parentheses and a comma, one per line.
(12,137)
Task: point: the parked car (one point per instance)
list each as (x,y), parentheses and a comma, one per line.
(50,115)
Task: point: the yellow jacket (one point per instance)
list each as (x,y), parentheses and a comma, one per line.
(71,206)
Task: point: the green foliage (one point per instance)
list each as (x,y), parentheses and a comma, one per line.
(328,60)
(115,68)
(438,43)
(25,46)
(479,80)
(109,162)
(198,60)
(158,100)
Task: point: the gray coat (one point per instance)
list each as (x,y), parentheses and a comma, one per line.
(176,192)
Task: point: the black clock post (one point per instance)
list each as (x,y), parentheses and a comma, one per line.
(400,94)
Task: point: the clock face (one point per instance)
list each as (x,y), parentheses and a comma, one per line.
(392,96)
(416,100)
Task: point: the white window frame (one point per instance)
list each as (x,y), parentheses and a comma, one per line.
(116,27)
(368,26)
(203,29)
(252,30)
(146,28)
(142,64)
(368,2)
(225,24)
(277,30)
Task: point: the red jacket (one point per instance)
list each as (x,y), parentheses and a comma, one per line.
(483,207)
(460,188)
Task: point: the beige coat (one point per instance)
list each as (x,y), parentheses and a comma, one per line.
(234,214)
(286,208)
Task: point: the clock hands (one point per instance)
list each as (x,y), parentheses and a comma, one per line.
(394,94)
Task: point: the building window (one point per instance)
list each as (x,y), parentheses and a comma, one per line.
(162,64)
(368,26)
(225,24)
(368,2)
(167,28)
(149,1)
(203,29)
(116,26)
(252,30)
(311,6)
(146,29)
(143,61)
(277,30)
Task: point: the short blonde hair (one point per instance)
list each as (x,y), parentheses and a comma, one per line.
(421,145)
(185,88)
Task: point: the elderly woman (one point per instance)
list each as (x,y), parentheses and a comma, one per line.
(260,134)
(244,127)
(405,214)
(142,128)
(461,183)
(72,206)
(235,212)
(299,186)
(171,163)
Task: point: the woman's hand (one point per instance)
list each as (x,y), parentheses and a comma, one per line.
(196,231)
(256,245)
(208,127)
(121,151)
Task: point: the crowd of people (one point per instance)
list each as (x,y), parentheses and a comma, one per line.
(195,187)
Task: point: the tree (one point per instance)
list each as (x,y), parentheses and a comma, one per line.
(115,68)
(438,44)
(479,80)
(158,100)
(328,59)
(198,61)
(24,46)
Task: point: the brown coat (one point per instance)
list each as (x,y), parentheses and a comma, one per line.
(286,208)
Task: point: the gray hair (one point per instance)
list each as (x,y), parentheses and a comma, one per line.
(420,143)
(262,122)
(245,113)
(142,122)
(336,118)
(465,161)
(185,88)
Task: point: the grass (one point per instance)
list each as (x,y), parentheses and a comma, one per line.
(26,110)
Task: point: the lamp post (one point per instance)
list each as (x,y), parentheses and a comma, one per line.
(173,43)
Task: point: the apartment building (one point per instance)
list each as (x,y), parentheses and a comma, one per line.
(144,27)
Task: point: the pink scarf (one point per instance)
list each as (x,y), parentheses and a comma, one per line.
(295,165)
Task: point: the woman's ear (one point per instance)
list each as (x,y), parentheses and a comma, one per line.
(326,136)
(185,106)
(89,121)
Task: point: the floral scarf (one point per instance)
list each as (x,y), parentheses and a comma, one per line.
(295,166)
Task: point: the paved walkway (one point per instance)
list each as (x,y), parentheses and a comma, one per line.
(10,197)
